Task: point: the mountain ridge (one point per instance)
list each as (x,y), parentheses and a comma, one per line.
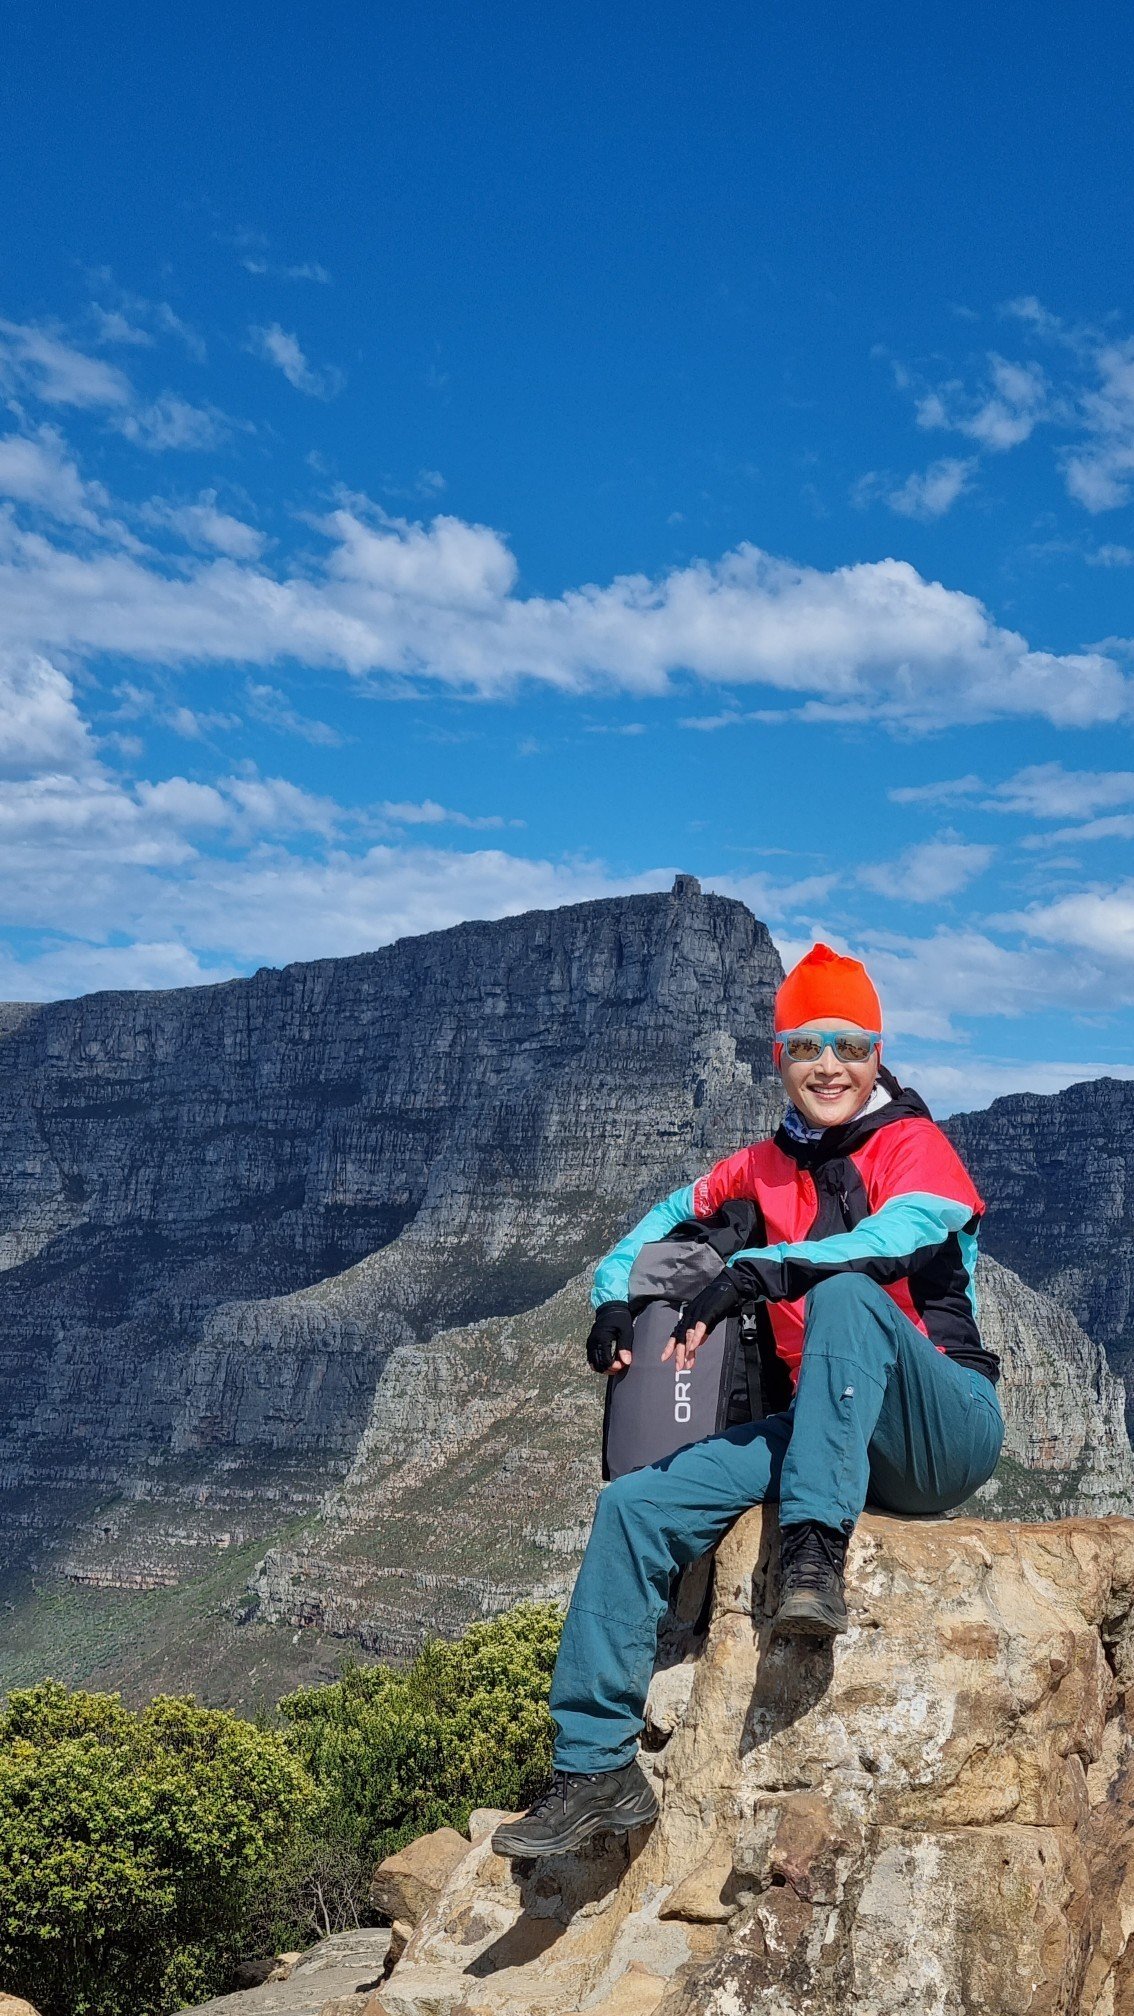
(247,1232)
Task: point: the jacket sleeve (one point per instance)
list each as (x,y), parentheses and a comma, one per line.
(612,1275)
(695,1200)
(922,1195)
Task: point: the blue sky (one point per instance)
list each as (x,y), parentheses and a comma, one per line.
(473,459)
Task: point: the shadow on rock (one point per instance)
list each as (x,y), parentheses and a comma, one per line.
(553,1891)
(793,1674)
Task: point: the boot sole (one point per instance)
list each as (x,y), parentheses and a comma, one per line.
(517,1847)
(807,1619)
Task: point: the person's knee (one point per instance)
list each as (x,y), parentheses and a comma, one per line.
(851,1314)
(841,1293)
(621,1501)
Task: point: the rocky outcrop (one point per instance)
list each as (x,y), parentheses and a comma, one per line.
(342,1971)
(1057,1172)
(935,1818)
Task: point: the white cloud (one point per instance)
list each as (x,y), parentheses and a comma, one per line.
(172,422)
(930,493)
(1089,403)
(36,469)
(1118,826)
(775,901)
(1101,473)
(966,1081)
(203,524)
(438,603)
(197,724)
(41,727)
(429,813)
(274,709)
(39,362)
(1001,414)
(65,967)
(1039,791)
(113,327)
(1098,921)
(282,347)
(932,986)
(947,792)
(266,269)
(1048,791)
(274,906)
(930,872)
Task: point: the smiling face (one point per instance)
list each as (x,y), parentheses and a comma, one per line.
(827,1092)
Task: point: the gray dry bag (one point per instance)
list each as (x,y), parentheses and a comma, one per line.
(652,1409)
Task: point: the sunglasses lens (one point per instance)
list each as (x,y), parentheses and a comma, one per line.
(803,1049)
(853,1049)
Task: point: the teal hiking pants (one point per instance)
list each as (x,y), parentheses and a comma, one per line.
(878,1412)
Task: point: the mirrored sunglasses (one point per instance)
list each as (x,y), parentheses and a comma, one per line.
(806,1046)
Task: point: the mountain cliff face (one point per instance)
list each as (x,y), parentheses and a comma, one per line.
(1057,1172)
(444,1129)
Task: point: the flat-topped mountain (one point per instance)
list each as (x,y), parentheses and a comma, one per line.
(467,1116)
(293,1278)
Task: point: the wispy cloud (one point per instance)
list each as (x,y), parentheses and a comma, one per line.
(930,872)
(1039,791)
(273,708)
(999,414)
(36,469)
(429,813)
(1081,391)
(39,361)
(927,493)
(281,347)
(172,422)
(203,525)
(269,269)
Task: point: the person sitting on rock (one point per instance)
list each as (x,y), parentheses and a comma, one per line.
(870,1223)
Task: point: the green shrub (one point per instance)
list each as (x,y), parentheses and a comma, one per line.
(396,1754)
(142,1854)
(132,1846)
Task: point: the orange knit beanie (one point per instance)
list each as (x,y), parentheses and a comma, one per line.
(826,985)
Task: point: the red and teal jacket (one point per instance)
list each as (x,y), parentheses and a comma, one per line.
(886,1196)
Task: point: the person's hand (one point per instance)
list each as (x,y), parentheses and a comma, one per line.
(611,1341)
(720,1299)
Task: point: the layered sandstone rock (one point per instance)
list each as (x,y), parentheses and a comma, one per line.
(935,1818)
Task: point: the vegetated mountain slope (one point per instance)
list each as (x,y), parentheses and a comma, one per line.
(453,1125)
(1057,1171)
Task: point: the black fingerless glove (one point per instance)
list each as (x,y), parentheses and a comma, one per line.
(611,1332)
(721,1298)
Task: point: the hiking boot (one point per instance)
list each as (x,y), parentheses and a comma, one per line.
(576,1805)
(812,1559)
